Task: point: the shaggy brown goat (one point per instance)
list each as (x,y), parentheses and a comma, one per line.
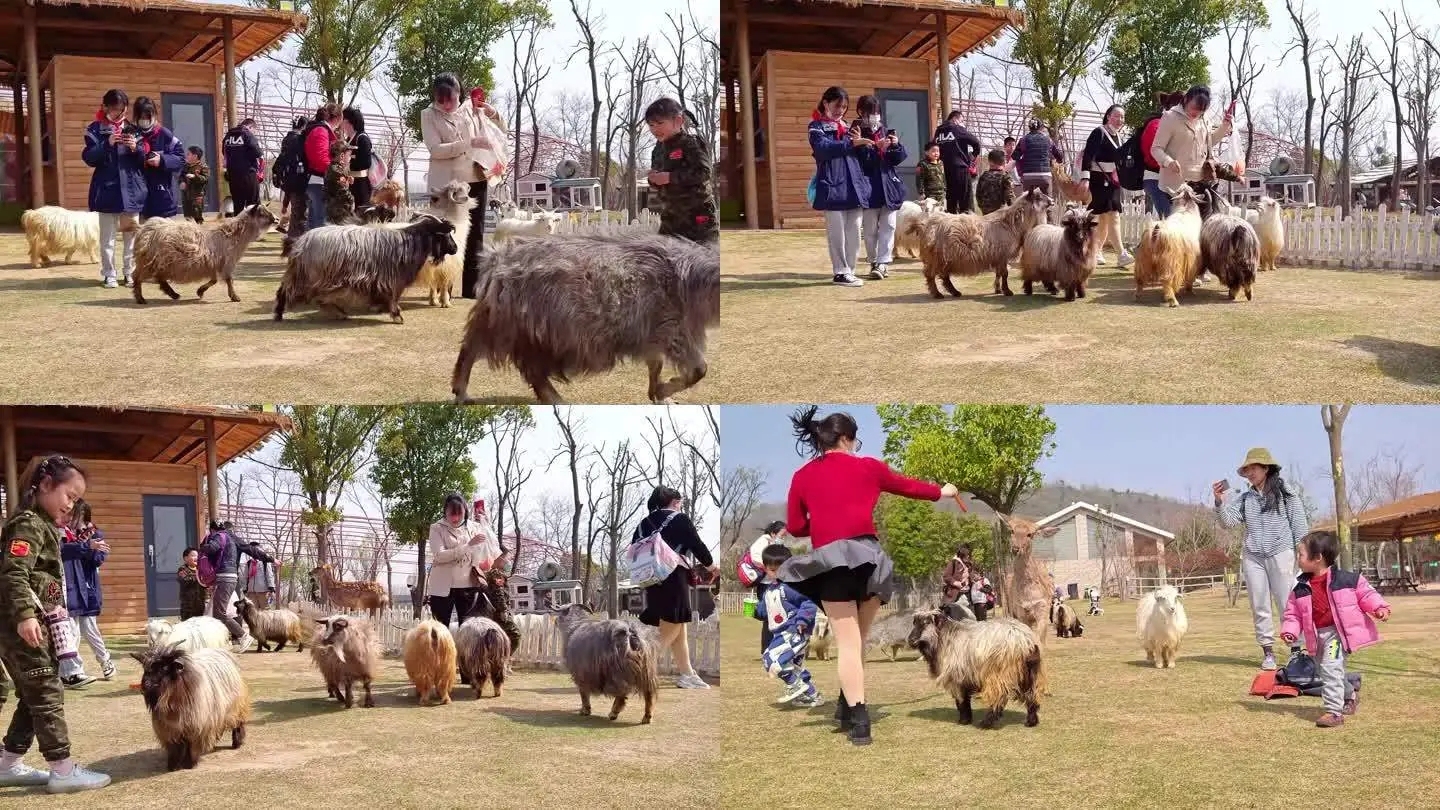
(1230,248)
(560,306)
(998,660)
(970,244)
(484,652)
(1063,254)
(179,250)
(193,696)
(608,657)
(361,267)
(430,661)
(279,626)
(345,651)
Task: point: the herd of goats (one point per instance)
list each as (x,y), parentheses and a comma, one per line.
(553,306)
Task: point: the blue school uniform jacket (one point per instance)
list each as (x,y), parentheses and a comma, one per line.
(162,198)
(887,190)
(82,575)
(840,181)
(117,186)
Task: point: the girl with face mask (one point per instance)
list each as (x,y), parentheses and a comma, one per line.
(887,190)
(452,545)
(162,156)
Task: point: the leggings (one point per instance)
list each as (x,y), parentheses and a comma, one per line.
(458,603)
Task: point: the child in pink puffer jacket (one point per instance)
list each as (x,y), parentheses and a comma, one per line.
(1331,609)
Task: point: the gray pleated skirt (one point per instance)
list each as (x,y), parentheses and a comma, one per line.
(850,570)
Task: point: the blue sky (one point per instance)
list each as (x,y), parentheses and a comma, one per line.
(1175,451)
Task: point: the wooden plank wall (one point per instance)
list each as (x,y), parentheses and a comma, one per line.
(115,491)
(793,85)
(79,84)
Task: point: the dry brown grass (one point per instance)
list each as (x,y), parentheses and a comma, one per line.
(1310,335)
(67,340)
(529,748)
(1117,733)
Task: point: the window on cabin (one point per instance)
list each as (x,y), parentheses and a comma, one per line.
(522,589)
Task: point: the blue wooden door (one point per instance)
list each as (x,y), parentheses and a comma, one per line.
(169,530)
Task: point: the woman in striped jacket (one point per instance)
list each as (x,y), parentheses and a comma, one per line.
(1274,519)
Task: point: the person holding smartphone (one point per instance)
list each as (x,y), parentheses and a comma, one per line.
(162,156)
(1183,142)
(887,190)
(117,184)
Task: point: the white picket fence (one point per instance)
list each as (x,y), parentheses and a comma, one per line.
(1324,237)
(597,222)
(544,649)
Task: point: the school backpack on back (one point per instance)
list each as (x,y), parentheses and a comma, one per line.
(1130,164)
(289,163)
(205,567)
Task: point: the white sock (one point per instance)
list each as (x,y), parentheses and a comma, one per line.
(62,767)
(8,759)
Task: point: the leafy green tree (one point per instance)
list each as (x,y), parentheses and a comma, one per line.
(452,36)
(1061,41)
(422,455)
(343,41)
(921,539)
(326,449)
(1158,47)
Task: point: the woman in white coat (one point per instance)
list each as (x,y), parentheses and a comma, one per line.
(452,547)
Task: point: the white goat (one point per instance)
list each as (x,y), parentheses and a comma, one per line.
(52,230)
(1271,230)
(912,211)
(1160,622)
(543,223)
(195,633)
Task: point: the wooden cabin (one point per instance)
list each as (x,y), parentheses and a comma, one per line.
(66,53)
(783,54)
(147,471)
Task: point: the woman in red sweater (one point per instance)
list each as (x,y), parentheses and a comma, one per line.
(832,501)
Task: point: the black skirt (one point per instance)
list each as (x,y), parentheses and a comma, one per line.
(1104,197)
(669,601)
(851,570)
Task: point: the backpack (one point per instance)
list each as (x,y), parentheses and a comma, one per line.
(205,566)
(289,162)
(1130,164)
(748,571)
(298,168)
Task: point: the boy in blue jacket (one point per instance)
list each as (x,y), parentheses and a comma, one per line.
(117,186)
(82,554)
(791,618)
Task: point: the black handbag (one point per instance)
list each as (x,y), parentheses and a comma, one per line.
(1301,671)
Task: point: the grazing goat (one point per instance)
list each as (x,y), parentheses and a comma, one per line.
(1161,623)
(1271,230)
(821,639)
(909,232)
(430,661)
(279,626)
(571,305)
(1063,255)
(1063,617)
(194,696)
(441,278)
(971,244)
(539,223)
(180,250)
(51,229)
(197,632)
(1230,249)
(367,595)
(1169,251)
(889,634)
(389,194)
(608,657)
(345,651)
(999,660)
(484,653)
(361,267)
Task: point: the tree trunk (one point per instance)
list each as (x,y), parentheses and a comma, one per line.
(1333,419)
(417,596)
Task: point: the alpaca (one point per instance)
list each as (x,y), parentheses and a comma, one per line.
(369,596)
(1271,230)
(51,229)
(970,244)
(998,659)
(1161,623)
(1063,255)
(1169,251)
(179,250)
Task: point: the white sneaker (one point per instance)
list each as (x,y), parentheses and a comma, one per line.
(884,270)
(129,280)
(77,780)
(245,643)
(22,775)
(847,280)
(107,671)
(1126,259)
(110,283)
(691,681)
(796,690)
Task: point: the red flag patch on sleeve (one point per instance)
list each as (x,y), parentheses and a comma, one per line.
(20,548)
(676,155)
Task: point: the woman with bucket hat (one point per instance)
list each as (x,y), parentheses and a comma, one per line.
(1274,519)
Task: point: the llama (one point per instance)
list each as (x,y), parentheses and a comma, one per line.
(279,626)
(1230,249)
(193,696)
(430,661)
(484,653)
(1161,623)
(441,278)
(1066,623)
(345,650)
(1271,230)
(998,659)
(1169,251)
(361,267)
(350,595)
(1063,255)
(609,657)
(579,304)
(970,244)
(51,229)
(179,250)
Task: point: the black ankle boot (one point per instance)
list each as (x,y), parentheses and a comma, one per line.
(860,724)
(842,714)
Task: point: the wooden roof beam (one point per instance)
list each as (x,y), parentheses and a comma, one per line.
(114,428)
(69,24)
(807,20)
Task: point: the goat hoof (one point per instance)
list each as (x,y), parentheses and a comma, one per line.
(613,716)
(645,721)
(235,299)
(584,712)
(1031,722)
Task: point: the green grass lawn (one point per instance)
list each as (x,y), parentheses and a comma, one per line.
(1116,733)
(527,748)
(67,340)
(1310,335)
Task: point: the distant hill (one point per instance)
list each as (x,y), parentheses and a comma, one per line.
(1157,510)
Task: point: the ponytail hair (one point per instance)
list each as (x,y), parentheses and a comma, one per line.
(815,436)
(57,469)
(832,93)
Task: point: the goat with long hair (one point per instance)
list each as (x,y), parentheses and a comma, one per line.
(1061,256)
(430,661)
(52,230)
(1169,253)
(971,244)
(998,660)
(1161,623)
(180,250)
(345,650)
(608,657)
(441,278)
(193,696)
(484,653)
(1230,249)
